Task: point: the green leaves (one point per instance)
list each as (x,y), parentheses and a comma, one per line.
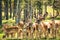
(38,4)
(56,4)
(50,2)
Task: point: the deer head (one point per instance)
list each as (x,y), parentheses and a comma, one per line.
(41,17)
(44,16)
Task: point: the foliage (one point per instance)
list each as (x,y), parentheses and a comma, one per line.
(38,4)
(56,4)
(50,2)
(10,21)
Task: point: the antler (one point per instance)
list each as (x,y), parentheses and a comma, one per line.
(56,14)
(52,17)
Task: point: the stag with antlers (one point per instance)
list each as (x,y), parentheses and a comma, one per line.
(54,24)
(41,24)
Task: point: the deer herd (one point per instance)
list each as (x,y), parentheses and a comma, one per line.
(39,28)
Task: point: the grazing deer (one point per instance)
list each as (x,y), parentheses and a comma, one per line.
(9,30)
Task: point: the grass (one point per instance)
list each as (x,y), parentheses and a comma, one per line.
(34,39)
(1,35)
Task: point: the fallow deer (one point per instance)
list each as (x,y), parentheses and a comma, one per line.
(54,24)
(9,30)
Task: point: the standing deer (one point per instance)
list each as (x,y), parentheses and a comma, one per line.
(54,24)
(20,31)
(40,23)
(43,25)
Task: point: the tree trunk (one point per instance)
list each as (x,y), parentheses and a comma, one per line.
(5,9)
(19,11)
(17,19)
(31,10)
(14,12)
(25,15)
(26,12)
(0,12)
(45,7)
(6,6)
(10,9)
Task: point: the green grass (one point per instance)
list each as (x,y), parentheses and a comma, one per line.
(34,39)
(1,35)
(9,21)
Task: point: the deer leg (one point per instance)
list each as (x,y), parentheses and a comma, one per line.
(4,36)
(40,33)
(50,33)
(53,32)
(43,32)
(29,34)
(36,33)
(12,34)
(58,31)
(26,34)
(21,35)
(33,32)
(7,35)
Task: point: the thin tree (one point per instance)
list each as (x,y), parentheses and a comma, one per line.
(10,8)
(0,12)
(31,10)
(19,11)
(38,5)
(26,11)
(14,12)
(6,9)
(56,5)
